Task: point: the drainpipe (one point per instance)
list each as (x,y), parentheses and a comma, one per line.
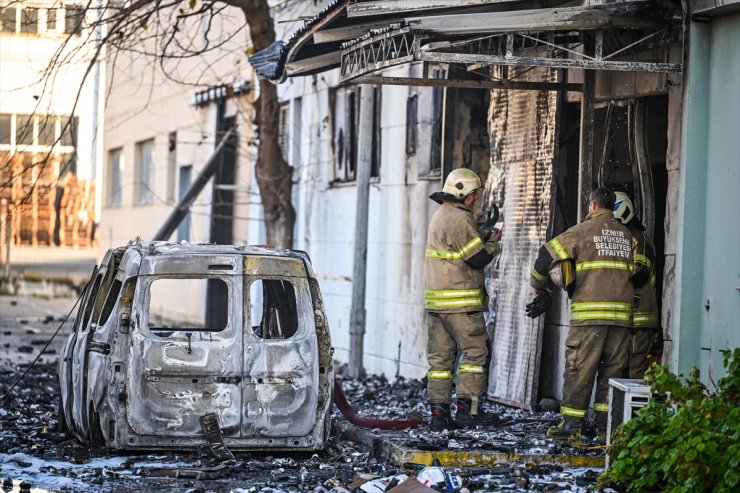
(359,275)
(97,145)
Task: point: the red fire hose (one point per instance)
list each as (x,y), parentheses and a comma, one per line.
(385,424)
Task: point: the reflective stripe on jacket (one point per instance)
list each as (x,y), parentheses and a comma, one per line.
(602,249)
(450,285)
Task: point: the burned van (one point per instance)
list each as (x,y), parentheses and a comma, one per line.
(167,334)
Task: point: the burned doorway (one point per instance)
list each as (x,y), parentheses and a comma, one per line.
(629,155)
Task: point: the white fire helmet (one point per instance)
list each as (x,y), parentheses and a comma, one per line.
(461,182)
(563,274)
(624,211)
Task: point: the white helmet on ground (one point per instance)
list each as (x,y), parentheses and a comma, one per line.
(624,211)
(461,182)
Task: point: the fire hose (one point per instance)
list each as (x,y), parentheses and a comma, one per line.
(385,424)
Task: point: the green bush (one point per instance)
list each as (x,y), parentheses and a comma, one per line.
(687,442)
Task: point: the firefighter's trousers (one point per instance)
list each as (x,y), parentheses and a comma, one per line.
(592,351)
(450,333)
(641,341)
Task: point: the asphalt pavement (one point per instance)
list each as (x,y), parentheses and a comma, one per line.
(27,323)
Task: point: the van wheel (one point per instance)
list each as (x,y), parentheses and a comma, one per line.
(97,440)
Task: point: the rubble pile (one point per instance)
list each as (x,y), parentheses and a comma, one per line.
(33,454)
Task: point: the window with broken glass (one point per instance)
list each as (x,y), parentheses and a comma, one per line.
(273,311)
(427,116)
(346,118)
(166,318)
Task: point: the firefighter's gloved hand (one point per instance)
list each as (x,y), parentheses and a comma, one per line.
(487,230)
(539,304)
(655,353)
(491,247)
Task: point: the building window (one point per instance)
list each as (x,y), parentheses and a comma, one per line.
(40,130)
(435,162)
(115,177)
(33,20)
(24,130)
(7,19)
(284,132)
(29,20)
(296,131)
(171,166)
(346,133)
(144,182)
(73,17)
(47,130)
(5,129)
(412,111)
(69,131)
(51,19)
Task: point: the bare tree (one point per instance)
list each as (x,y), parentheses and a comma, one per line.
(158,29)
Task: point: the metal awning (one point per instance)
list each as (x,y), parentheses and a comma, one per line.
(364,37)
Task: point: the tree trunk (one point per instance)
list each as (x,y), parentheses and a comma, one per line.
(274,174)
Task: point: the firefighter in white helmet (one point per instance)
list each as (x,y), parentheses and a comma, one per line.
(596,261)
(455,299)
(646,339)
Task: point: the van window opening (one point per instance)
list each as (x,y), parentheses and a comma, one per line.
(176,305)
(273,312)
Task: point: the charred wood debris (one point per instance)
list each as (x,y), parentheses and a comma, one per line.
(33,452)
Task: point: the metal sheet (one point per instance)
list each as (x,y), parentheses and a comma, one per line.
(522,128)
(619,15)
(385,7)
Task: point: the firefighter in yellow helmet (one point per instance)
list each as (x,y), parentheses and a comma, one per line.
(596,261)
(646,339)
(455,299)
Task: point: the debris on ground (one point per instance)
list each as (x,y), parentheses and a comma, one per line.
(33,452)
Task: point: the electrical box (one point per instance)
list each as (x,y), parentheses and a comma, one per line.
(626,396)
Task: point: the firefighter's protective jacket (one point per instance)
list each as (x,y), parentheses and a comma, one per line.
(645,314)
(602,249)
(450,284)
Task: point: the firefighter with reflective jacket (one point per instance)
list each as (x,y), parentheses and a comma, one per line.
(595,260)
(455,298)
(646,339)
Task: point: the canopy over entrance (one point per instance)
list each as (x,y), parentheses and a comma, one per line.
(364,37)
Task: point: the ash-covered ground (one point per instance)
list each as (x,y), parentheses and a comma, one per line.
(35,456)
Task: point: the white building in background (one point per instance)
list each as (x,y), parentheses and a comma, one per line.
(161,128)
(163,124)
(48,121)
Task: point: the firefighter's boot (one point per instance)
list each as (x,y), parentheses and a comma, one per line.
(440,417)
(569,427)
(470,414)
(600,422)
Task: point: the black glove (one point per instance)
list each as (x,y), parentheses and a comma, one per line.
(655,353)
(488,228)
(539,304)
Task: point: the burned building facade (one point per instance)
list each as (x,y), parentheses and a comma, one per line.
(547,102)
